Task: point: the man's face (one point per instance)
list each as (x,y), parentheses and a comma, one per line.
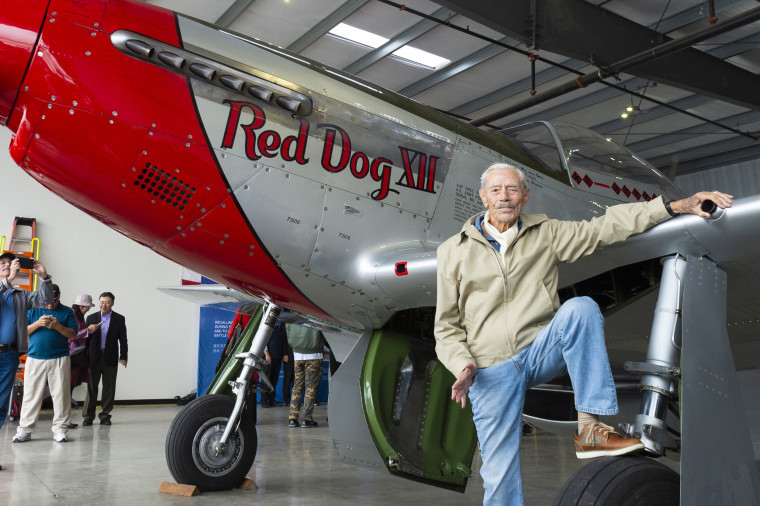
(5,267)
(54,303)
(504,197)
(106,303)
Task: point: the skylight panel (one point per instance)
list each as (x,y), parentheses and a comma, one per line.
(407,54)
(358,35)
(421,57)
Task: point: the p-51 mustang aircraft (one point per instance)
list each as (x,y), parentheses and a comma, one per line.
(325,196)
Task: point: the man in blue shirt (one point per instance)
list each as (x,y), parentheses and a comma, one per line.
(48,363)
(14,304)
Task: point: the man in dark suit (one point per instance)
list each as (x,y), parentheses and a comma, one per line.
(108,348)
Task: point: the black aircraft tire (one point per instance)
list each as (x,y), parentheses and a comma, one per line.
(190,442)
(621,481)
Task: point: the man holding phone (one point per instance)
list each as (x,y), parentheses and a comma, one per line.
(25,262)
(48,363)
(14,304)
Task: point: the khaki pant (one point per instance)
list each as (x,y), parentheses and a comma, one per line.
(56,372)
(307,374)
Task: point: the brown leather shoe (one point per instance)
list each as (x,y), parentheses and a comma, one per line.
(600,440)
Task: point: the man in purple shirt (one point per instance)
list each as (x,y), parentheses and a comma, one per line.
(107,349)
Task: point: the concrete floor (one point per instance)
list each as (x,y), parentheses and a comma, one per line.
(124,464)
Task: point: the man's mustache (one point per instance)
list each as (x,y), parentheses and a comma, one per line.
(505,205)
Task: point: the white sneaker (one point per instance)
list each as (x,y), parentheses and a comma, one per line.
(60,437)
(21,436)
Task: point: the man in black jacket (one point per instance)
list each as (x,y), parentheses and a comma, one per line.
(277,353)
(108,348)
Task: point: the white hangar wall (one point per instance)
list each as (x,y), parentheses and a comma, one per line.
(85,256)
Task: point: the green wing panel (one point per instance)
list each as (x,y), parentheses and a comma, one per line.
(419,431)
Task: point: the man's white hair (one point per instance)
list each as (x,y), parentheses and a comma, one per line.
(501,166)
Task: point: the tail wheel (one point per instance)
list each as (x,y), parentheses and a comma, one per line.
(193,453)
(621,481)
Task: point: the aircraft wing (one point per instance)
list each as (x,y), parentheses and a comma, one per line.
(731,239)
(218,295)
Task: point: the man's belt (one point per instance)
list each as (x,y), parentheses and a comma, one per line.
(7,347)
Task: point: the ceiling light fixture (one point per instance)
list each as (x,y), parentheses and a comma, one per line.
(630,111)
(407,54)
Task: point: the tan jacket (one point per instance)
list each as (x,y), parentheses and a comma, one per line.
(487,309)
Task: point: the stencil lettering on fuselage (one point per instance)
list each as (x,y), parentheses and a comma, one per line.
(336,152)
(375,158)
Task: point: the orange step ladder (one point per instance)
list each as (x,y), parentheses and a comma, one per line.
(23,242)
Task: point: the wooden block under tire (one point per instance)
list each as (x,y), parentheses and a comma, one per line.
(179,489)
(248,484)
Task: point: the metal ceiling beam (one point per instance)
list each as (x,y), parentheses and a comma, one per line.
(578,29)
(699,12)
(707,156)
(653,113)
(690,102)
(705,128)
(582,102)
(439,76)
(398,42)
(233,12)
(736,47)
(326,24)
(521,86)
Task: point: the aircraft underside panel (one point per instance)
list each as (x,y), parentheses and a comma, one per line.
(714,469)
(348,427)
(420,432)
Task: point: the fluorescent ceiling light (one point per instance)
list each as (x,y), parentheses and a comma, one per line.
(421,57)
(358,35)
(408,54)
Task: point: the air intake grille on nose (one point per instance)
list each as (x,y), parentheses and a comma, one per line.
(162,186)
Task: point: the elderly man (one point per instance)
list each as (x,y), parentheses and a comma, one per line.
(500,328)
(14,304)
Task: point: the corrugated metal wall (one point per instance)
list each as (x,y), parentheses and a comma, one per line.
(740,180)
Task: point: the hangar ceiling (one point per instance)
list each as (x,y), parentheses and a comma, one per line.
(693,86)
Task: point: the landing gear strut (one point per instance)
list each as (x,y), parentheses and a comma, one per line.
(688,345)
(212,442)
(635,480)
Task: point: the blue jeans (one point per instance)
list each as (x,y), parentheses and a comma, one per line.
(573,341)
(8,368)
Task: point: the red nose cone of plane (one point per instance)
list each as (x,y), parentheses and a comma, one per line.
(20,23)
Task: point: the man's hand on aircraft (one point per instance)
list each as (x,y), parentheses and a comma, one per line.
(693,204)
(462,385)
